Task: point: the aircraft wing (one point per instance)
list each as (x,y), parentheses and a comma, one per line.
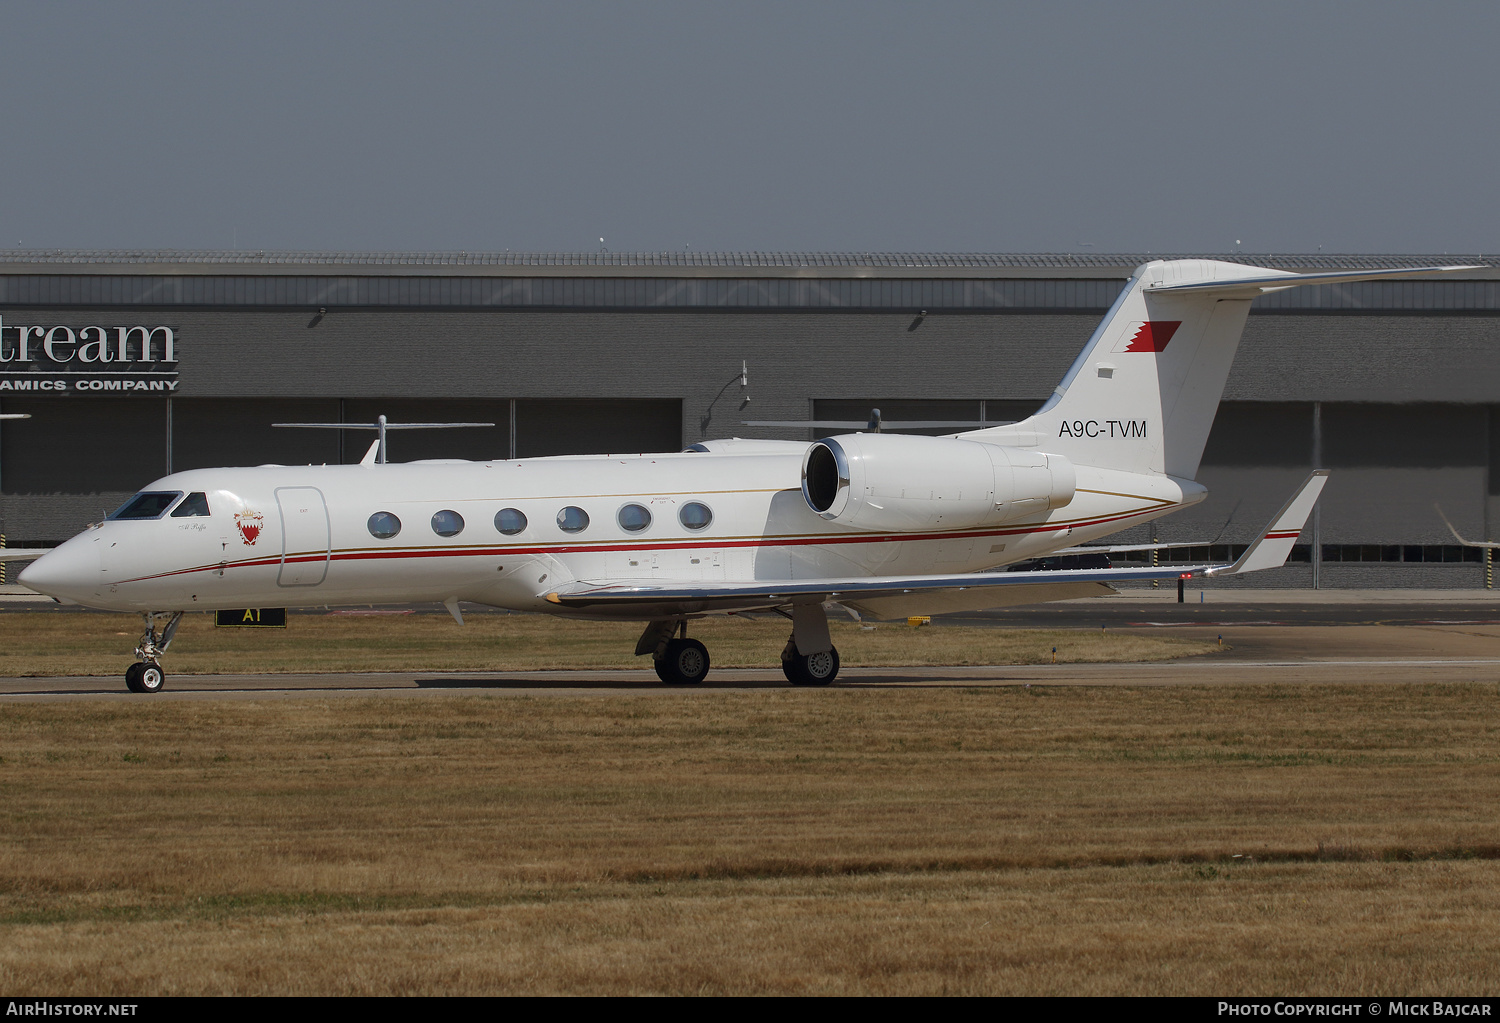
(880,596)
(23,553)
(905,595)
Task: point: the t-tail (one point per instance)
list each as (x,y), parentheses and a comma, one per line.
(1142,394)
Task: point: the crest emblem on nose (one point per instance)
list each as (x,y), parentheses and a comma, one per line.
(249,522)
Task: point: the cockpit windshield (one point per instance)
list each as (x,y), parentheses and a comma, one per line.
(149,504)
(195,503)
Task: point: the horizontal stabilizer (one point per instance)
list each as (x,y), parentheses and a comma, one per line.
(1263,283)
(1275,543)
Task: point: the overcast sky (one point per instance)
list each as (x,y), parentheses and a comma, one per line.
(1124,127)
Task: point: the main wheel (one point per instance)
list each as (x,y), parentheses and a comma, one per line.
(133,677)
(152,678)
(812,669)
(685,663)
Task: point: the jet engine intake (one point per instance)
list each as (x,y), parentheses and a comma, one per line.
(892,482)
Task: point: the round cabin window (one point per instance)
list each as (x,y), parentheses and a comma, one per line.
(447,523)
(510,521)
(572,519)
(695,515)
(384,525)
(633,518)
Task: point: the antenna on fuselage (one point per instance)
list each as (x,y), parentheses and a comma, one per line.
(380,426)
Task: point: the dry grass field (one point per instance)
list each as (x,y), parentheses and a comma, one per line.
(1215,840)
(101,644)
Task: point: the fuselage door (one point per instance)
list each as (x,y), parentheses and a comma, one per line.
(305,535)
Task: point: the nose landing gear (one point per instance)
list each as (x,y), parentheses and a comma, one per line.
(146,676)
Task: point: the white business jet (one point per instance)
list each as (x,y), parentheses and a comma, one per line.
(883,524)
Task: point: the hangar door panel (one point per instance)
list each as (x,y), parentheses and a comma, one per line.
(304,536)
(597,426)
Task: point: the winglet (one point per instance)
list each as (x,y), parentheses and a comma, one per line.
(1275,544)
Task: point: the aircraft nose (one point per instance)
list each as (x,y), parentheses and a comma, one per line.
(67,571)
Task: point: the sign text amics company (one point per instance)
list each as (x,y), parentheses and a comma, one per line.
(115,360)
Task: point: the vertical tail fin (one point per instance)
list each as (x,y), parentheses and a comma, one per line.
(1142,394)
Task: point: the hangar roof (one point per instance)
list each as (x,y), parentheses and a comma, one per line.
(675,264)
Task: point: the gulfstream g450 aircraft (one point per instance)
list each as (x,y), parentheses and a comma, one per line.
(884,524)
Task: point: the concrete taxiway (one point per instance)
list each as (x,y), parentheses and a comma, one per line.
(1137,608)
(1260,637)
(1196,671)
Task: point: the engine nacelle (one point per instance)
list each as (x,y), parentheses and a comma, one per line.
(883,481)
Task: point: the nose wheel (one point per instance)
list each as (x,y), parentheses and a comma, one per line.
(145,675)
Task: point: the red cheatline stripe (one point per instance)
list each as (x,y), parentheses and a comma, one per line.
(1288,534)
(698,544)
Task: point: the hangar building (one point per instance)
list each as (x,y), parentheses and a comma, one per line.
(134,364)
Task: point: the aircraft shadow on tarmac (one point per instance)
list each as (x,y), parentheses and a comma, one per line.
(893,681)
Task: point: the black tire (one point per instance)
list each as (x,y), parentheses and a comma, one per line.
(812,669)
(152,678)
(133,677)
(684,663)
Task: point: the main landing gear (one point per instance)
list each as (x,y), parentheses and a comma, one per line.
(679,661)
(801,669)
(809,658)
(145,675)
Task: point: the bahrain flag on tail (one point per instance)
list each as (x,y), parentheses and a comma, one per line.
(1151,336)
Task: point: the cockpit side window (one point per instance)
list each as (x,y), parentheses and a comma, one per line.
(149,504)
(195,503)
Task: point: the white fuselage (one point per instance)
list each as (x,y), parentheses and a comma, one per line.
(295,536)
